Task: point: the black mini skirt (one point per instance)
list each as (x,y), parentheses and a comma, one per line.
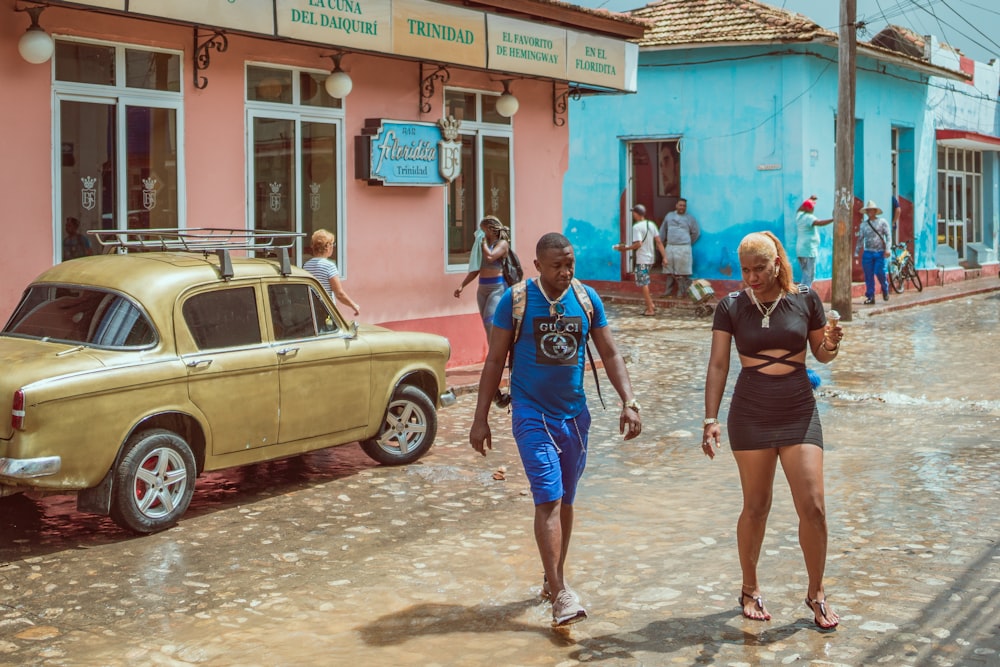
(773,411)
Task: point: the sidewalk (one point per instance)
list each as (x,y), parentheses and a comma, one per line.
(465,379)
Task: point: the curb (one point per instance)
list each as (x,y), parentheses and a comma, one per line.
(928,300)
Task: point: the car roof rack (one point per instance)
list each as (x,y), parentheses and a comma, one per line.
(205,240)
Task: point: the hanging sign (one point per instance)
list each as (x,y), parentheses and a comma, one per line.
(248,15)
(408,153)
(439,33)
(356,25)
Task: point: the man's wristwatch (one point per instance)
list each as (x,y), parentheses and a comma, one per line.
(708,421)
(634,404)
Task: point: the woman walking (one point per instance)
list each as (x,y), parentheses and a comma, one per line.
(486,261)
(772,415)
(325,269)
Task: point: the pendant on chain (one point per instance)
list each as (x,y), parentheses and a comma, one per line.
(765,322)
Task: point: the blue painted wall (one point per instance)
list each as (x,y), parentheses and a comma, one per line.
(757,128)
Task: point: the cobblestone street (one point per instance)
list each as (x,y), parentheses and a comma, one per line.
(328,559)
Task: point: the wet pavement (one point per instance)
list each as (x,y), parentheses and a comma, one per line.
(329,559)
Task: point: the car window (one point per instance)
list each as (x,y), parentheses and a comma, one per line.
(223,318)
(81,315)
(297,311)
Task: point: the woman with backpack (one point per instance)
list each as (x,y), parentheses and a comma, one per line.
(491,245)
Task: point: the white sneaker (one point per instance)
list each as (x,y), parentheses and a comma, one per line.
(567,610)
(547,592)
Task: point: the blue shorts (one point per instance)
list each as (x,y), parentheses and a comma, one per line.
(641,275)
(553,452)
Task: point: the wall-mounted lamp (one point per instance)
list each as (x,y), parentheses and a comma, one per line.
(507,105)
(35,46)
(338,84)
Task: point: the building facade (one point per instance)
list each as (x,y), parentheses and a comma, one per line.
(736,112)
(395,124)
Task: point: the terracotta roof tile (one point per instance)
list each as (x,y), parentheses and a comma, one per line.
(903,40)
(677,22)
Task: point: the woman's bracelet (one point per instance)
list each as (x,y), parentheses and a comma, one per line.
(835,348)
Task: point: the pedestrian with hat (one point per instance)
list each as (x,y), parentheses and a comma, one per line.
(645,242)
(873,241)
(807,241)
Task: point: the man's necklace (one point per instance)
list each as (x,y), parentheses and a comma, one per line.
(556,309)
(765,322)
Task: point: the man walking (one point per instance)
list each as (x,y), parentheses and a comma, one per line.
(678,231)
(873,239)
(545,324)
(645,241)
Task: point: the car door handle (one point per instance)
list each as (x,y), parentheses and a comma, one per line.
(285,351)
(199,362)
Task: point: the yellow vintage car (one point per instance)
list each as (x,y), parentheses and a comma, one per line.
(131,372)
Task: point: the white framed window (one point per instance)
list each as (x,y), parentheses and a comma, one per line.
(295,149)
(486,184)
(117,126)
(960,198)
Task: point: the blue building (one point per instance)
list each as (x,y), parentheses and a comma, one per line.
(736,112)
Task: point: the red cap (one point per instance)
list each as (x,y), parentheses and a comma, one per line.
(808,205)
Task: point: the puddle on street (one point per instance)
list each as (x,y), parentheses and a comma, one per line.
(330,559)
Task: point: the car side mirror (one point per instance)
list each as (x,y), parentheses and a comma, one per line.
(354,329)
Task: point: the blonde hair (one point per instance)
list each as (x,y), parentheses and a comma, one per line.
(320,240)
(767,246)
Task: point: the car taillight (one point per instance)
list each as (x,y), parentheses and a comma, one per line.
(17,410)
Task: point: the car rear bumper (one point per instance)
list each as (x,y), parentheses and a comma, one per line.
(29,468)
(447,398)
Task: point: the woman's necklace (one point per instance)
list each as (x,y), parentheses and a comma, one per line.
(556,309)
(765,322)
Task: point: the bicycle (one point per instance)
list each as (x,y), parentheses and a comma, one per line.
(901,269)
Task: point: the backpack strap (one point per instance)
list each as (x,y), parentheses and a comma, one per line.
(588,307)
(519,301)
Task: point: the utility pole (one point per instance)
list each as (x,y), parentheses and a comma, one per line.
(843,207)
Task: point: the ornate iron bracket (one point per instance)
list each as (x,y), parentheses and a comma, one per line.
(560,102)
(427,85)
(202,55)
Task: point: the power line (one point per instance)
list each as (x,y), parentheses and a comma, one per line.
(982,46)
(948,87)
(945,3)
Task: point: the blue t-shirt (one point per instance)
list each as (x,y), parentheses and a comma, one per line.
(549,356)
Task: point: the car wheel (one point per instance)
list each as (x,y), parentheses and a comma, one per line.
(408,429)
(154,483)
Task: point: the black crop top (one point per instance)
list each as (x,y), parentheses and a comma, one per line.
(798,313)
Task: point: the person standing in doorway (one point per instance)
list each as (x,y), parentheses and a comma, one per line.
(325,269)
(772,413)
(491,243)
(677,233)
(545,328)
(873,241)
(645,242)
(807,241)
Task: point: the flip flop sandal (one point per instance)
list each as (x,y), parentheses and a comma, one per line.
(758,600)
(822,612)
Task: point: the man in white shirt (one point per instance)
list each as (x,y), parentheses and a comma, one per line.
(645,242)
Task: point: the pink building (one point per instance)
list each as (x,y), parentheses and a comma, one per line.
(297,115)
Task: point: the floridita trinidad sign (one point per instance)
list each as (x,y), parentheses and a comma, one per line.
(408,153)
